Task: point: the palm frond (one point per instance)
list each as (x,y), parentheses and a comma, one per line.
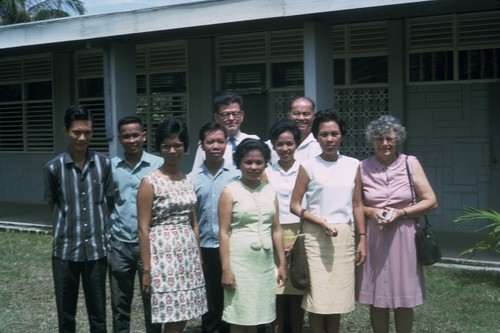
(492,241)
(470,214)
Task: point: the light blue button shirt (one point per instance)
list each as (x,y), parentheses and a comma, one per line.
(127,180)
(208,190)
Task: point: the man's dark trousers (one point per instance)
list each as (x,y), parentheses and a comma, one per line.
(66,284)
(212,270)
(124,264)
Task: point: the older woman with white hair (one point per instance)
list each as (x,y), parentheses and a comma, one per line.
(391,277)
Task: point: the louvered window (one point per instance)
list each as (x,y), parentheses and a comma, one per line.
(90,93)
(244,78)
(287,74)
(360,53)
(286,45)
(26,107)
(369,70)
(431,66)
(435,43)
(244,48)
(161,85)
(339,71)
(479,64)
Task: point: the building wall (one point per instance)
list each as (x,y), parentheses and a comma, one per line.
(447,130)
(21,179)
(448,123)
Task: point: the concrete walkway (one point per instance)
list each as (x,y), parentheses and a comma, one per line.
(37,219)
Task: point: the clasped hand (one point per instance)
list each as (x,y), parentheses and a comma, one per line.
(329,230)
(386,215)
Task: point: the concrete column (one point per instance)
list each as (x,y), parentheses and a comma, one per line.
(119,89)
(201,78)
(396,69)
(63,96)
(318,63)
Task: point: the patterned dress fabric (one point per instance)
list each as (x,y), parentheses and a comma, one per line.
(177,282)
(251,256)
(391,277)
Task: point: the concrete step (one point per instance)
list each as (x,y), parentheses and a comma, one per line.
(32,228)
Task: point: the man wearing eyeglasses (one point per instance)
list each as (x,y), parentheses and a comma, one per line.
(302,113)
(124,258)
(228,112)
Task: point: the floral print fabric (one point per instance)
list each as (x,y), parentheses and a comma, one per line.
(178,285)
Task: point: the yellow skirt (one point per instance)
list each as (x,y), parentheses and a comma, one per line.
(331,268)
(289,232)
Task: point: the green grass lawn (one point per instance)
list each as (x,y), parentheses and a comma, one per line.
(457,301)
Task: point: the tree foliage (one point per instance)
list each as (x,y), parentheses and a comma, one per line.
(22,11)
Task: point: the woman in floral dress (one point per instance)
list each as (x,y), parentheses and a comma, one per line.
(169,237)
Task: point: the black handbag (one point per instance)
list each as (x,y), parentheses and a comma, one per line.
(428,251)
(298,271)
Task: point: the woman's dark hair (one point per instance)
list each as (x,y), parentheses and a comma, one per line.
(324,116)
(211,127)
(282,126)
(77,112)
(170,128)
(248,145)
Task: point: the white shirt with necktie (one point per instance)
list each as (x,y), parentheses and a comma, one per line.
(228,154)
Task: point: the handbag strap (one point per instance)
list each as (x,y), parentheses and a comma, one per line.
(301,221)
(412,190)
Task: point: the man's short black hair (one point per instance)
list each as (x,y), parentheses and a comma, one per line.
(226,98)
(77,112)
(130,120)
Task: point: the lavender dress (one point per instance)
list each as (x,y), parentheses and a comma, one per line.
(391,276)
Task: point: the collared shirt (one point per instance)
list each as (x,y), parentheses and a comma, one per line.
(228,154)
(283,182)
(208,190)
(127,180)
(80,210)
(307,149)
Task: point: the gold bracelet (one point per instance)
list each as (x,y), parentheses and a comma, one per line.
(404,213)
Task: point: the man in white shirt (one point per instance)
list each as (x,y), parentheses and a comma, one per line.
(228,112)
(302,113)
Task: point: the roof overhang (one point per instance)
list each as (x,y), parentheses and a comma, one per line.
(213,17)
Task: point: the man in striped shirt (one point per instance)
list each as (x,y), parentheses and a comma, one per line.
(79,191)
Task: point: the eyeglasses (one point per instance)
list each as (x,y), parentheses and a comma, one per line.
(176,146)
(225,115)
(388,139)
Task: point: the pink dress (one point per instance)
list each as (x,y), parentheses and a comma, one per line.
(391,276)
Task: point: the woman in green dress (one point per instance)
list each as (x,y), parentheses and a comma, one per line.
(249,229)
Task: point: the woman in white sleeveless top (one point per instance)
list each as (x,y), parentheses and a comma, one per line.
(333,212)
